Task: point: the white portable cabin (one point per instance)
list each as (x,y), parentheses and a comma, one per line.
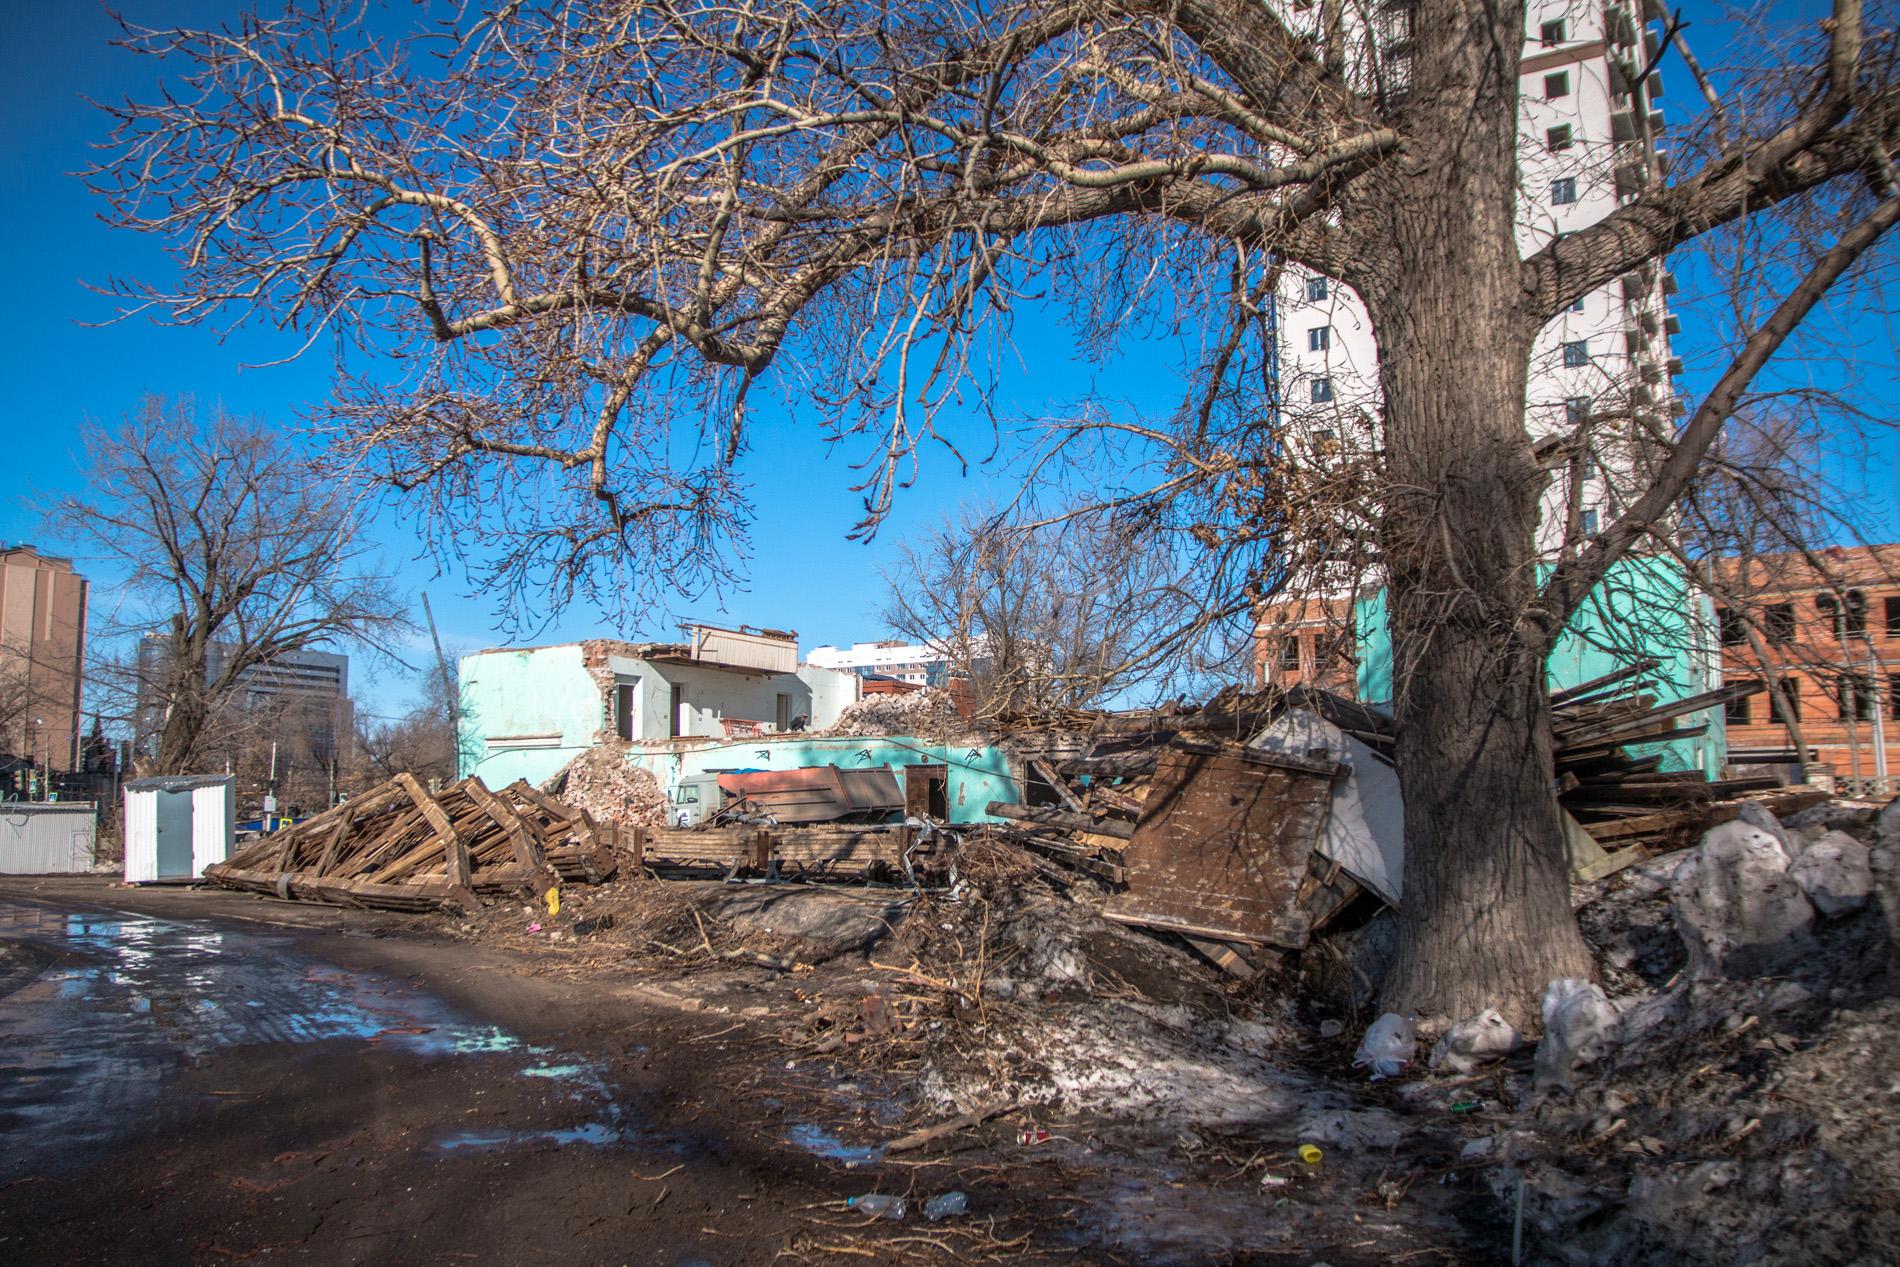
(176,827)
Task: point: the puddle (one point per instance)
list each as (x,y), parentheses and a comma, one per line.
(816,1139)
(86,1048)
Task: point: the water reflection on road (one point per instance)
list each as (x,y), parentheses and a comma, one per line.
(87,1047)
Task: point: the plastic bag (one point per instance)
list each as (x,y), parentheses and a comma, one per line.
(1470,1043)
(1388,1047)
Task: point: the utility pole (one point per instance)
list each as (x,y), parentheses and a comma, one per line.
(450,697)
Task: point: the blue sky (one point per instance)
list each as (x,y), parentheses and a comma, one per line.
(61,370)
(804,574)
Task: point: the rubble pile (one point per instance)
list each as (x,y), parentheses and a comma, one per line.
(1732,1097)
(399,847)
(604,783)
(930,713)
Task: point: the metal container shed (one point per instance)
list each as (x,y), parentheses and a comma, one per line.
(46,839)
(176,827)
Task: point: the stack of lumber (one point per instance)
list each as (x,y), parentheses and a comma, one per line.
(398,847)
(805,850)
(1621,797)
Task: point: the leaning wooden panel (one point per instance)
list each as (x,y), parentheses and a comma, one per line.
(1222,844)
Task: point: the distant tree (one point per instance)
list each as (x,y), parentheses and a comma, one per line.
(1037,618)
(419,742)
(235,553)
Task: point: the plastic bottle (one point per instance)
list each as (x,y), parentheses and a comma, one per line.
(878,1205)
(947,1206)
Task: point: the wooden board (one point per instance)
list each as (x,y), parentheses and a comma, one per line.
(1223,843)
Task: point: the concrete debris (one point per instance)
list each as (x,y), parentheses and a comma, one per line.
(612,789)
(1887,824)
(1832,816)
(930,712)
(1739,911)
(1759,816)
(1836,873)
(1476,1041)
(1579,1029)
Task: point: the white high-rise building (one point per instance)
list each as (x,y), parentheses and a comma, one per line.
(1600,373)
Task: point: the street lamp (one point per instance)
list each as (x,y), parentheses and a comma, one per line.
(39,733)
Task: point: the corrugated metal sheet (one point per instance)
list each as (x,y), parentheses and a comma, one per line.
(213,824)
(766,652)
(1223,842)
(817,794)
(46,839)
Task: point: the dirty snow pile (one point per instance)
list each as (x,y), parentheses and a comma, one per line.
(927,712)
(1082,1017)
(1734,1097)
(610,788)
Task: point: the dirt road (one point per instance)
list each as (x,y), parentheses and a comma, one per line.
(182,1082)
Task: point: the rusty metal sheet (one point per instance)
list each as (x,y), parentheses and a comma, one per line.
(1222,844)
(817,794)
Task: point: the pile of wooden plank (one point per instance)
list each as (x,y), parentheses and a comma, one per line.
(1202,836)
(806,851)
(1619,793)
(399,847)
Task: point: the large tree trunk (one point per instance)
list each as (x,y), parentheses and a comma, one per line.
(1486,919)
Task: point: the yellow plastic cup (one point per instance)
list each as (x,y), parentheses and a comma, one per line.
(1310,1154)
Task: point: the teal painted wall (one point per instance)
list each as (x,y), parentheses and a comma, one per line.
(977,775)
(546,710)
(1647,603)
(543,691)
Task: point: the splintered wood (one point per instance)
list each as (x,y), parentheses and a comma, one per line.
(401,848)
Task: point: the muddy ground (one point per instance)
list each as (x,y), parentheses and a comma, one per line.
(198,1077)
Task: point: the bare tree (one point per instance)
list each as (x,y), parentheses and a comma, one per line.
(590,229)
(419,742)
(234,554)
(1039,620)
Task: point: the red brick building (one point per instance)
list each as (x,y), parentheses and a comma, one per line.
(1827,627)
(1306,641)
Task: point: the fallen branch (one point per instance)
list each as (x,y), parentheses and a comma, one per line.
(929,1134)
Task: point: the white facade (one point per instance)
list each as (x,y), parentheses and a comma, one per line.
(176,827)
(1600,372)
(910,662)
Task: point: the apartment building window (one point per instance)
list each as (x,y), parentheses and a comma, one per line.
(1319,338)
(1551,33)
(1558,138)
(1778,619)
(1736,712)
(1563,191)
(1893,618)
(1784,701)
(1589,523)
(1557,85)
(1576,410)
(1848,616)
(1734,628)
(1855,611)
(1854,697)
(1893,696)
(1587,469)
(1322,391)
(1577,355)
(1290,651)
(1316,289)
(1576,305)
